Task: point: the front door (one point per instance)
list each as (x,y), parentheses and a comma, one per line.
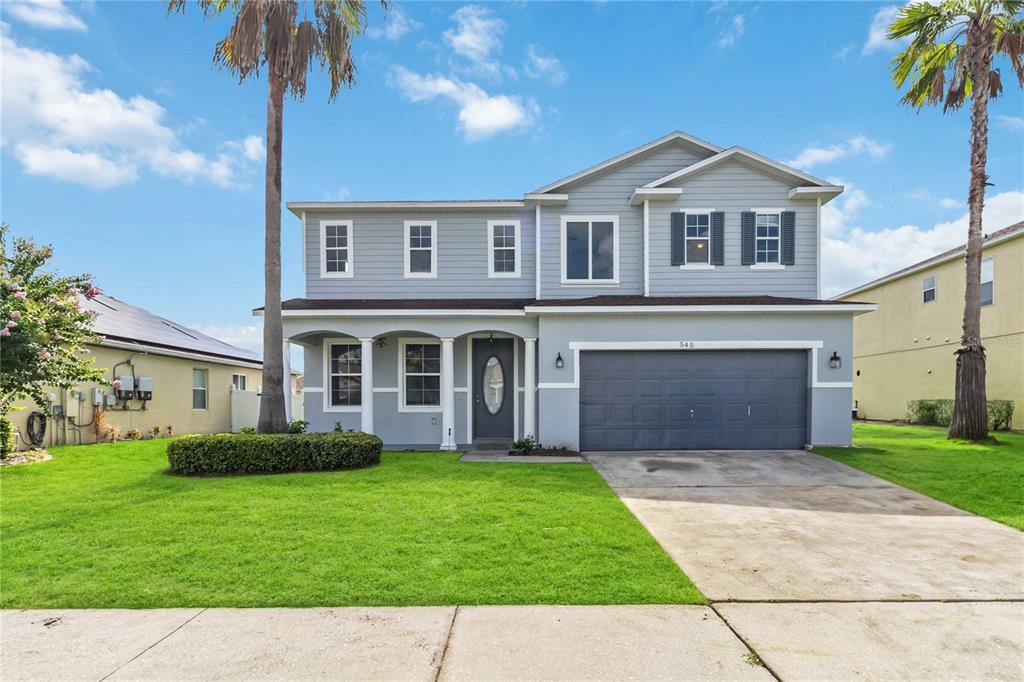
(493,388)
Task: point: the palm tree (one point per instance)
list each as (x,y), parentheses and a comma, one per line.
(950,60)
(268,33)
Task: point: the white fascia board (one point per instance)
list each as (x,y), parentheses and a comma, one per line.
(741,344)
(642,194)
(546,199)
(391,312)
(716,309)
(167,352)
(675,135)
(924,265)
(826,194)
(297,207)
(745,153)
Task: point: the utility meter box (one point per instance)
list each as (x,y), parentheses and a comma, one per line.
(111,400)
(97,396)
(125,388)
(144,388)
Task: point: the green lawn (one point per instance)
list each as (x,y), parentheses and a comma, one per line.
(984,479)
(105,526)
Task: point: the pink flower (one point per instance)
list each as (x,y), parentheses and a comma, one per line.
(44,354)
(92,292)
(21,295)
(4,331)
(15,314)
(117,383)
(11,324)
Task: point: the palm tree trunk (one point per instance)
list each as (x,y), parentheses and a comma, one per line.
(970,408)
(272,417)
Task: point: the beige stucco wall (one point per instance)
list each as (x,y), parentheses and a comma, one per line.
(171,403)
(904,350)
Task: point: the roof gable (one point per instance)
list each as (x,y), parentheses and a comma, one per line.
(676,137)
(752,158)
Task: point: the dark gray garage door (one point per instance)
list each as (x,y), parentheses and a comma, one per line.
(685,400)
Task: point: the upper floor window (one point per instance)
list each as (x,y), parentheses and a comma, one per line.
(988,278)
(200,378)
(929,289)
(421,248)
(421,374)
(336,248)
(698,238)
(590,249)
(766,240)
(344,375)
(238,382)
(503,248)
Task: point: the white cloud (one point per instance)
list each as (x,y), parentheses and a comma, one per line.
(397,24)
(1011,122)
(248,336)
(879,29)
(543,66)
(45,14)
(60,128)
(948,202)
(480,115)
(477,33)
(842,53)
(852,255)
(733,32)
(855,146)
(252,147)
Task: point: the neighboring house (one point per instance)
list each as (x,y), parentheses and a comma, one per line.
(197,384)
(668,300)
(905,349)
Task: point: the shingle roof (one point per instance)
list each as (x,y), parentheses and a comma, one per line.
(682,300)
(938,258)
(122,321)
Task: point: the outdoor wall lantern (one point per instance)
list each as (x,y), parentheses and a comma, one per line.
(559,362)
(382,341)
(835,362)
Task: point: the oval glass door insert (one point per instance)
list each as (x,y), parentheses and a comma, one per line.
(494,385)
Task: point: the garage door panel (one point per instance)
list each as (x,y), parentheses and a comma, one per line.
(641,400)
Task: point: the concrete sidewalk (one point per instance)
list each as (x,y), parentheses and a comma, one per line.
(415,643)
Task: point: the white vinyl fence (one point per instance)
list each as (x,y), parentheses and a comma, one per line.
(245,408)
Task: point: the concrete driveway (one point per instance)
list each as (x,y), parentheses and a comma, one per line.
(831,573)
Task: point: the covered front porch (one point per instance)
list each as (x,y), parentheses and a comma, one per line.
(420,379)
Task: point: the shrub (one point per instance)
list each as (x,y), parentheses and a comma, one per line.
(247,430)
(133,434)
(340,428)
(527,444)
(298,426)
(939,412)
(7,443)
(229,453)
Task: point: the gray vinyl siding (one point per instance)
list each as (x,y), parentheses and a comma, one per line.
(608,194)
(378,256)
(733,187)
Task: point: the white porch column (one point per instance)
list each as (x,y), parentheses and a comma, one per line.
(448,394)
(366,395)
(530,388)
(286,349)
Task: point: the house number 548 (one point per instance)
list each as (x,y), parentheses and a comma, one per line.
(686,344)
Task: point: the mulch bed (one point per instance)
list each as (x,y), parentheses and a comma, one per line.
(26,457)
(547,452)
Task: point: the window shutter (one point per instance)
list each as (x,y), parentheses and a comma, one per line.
(788,255)
(746,238)
(717,238)
(678,239)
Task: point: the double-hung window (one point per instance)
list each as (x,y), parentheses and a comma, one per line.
(503,248)
(421,248)
(238,382)
(766,238)
(336,248)
(421,374)
(590,249)
(929,289)
(988,280)
(344,375)
(200,377)
(698,238)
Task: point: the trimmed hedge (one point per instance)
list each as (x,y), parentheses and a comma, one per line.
(939,412)
(233,453)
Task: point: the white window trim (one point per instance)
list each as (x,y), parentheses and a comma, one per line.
(406,250)
(205,389)
(245,381)
(778,264)
(327,375)
(350,262)
(925,289)
(697,211)
(614,220)
(402,343)
(491,274)
(992,260)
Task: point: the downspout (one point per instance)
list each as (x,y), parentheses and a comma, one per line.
(303,231)
(647,247)
(536,251)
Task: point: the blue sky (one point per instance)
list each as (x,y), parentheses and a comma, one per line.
(142,163)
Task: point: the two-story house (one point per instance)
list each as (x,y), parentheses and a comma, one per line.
(667,298)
